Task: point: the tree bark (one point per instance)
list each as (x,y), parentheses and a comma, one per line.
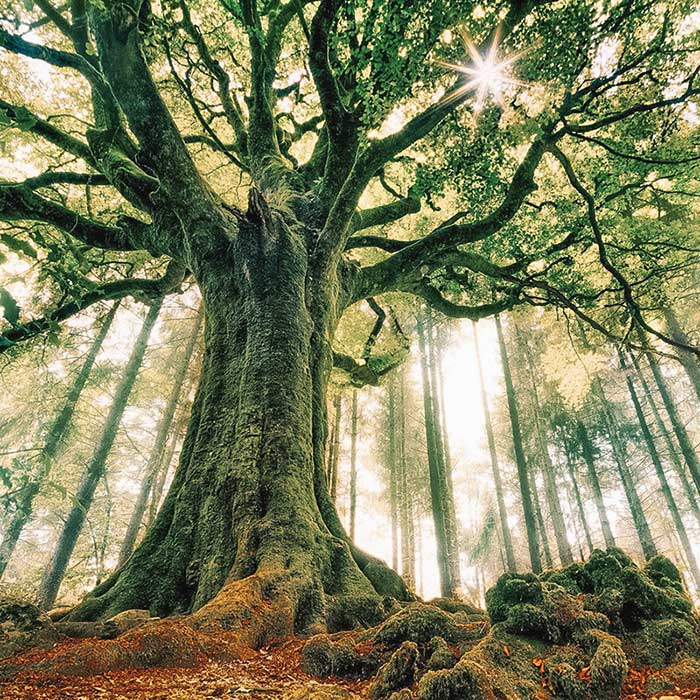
(579,500)
(157,453)
(588,457)
(95,469)
(443,450)
(437,487)
(335,446)
(495,467)
(525,494)
(550,482)
(393,471)
(353,464)
(542,535)
(687,358)
(55,439)
(408,536)
(660,474)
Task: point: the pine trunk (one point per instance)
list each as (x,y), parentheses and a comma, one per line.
(353,464)
(688,359)
(55,439)
(579,500)
(523,480)
(539,515)
(408,535)
(157,453)
(95,469)
(393,475)
(495,467)
(335,446)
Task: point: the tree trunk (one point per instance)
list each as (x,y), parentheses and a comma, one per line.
(393,475)
(495,467)
(162,473)
(579,500)
(672,453)
(687,448)
(687,358)
(248,520)
(663,482)
(95,469)
(437,487)
(543,539)
(526,496)
(443,449)
(638,517)
(353,464)
(408,536)
(587,452)
(52,445)
(550,480)
(335,446)
(156,458)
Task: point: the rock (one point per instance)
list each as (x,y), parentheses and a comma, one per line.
(466,681)
(81,630)
(125,621)
(418,623)
(399,672)
(23,625)
(441,656)
(58,613)
(323,657)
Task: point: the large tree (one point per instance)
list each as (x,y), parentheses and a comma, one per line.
(243,142)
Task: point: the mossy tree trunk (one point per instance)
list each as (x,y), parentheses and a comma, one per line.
(95,469)
(249,499)
(155,459)
(334,452)
(55,438)
(510,564)
(408,535)
(577,497)
(523,479)
(393,473)
(353,463)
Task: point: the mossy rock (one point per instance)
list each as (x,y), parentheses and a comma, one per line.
(23,625)
(512,589)
(608,667)
(353,612)
(441,656)
(467,680)
(664,642)
(399,672)
(603,569)
(418,623)
(451,605)
(324,657)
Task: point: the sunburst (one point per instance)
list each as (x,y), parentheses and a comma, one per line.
(485,74)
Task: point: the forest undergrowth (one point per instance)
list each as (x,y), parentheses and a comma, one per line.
(602,630)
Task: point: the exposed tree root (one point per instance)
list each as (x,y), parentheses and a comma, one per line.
(570,634)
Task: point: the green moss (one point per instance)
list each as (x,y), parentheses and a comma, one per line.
(527,619)
(399,672)
(353,612)
(664,642)
(663,572)
(466,681)
(323,657)
(441,655)
(574,579)
(608,667)
(603,569)
(418,623)
(512,589)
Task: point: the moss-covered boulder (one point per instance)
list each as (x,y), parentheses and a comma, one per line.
(466,680)
(510,590)
(323,656)
(399,672)
(440,655)
(358,612)
(418,623)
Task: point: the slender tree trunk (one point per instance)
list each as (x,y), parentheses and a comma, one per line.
(156,458)
(687,358)
(687,448)
(163,470)
(335,445)
(54,441)
(671,448)
(495,467)
(587,452)
(539,515)
(550,480)
(408,537)
(95,469)
(353,464)
(579,500)
(393,471)
(526,496)
(437,488)
(663,482)
(443,450)
(638,517)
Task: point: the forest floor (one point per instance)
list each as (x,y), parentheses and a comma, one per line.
(271,673)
